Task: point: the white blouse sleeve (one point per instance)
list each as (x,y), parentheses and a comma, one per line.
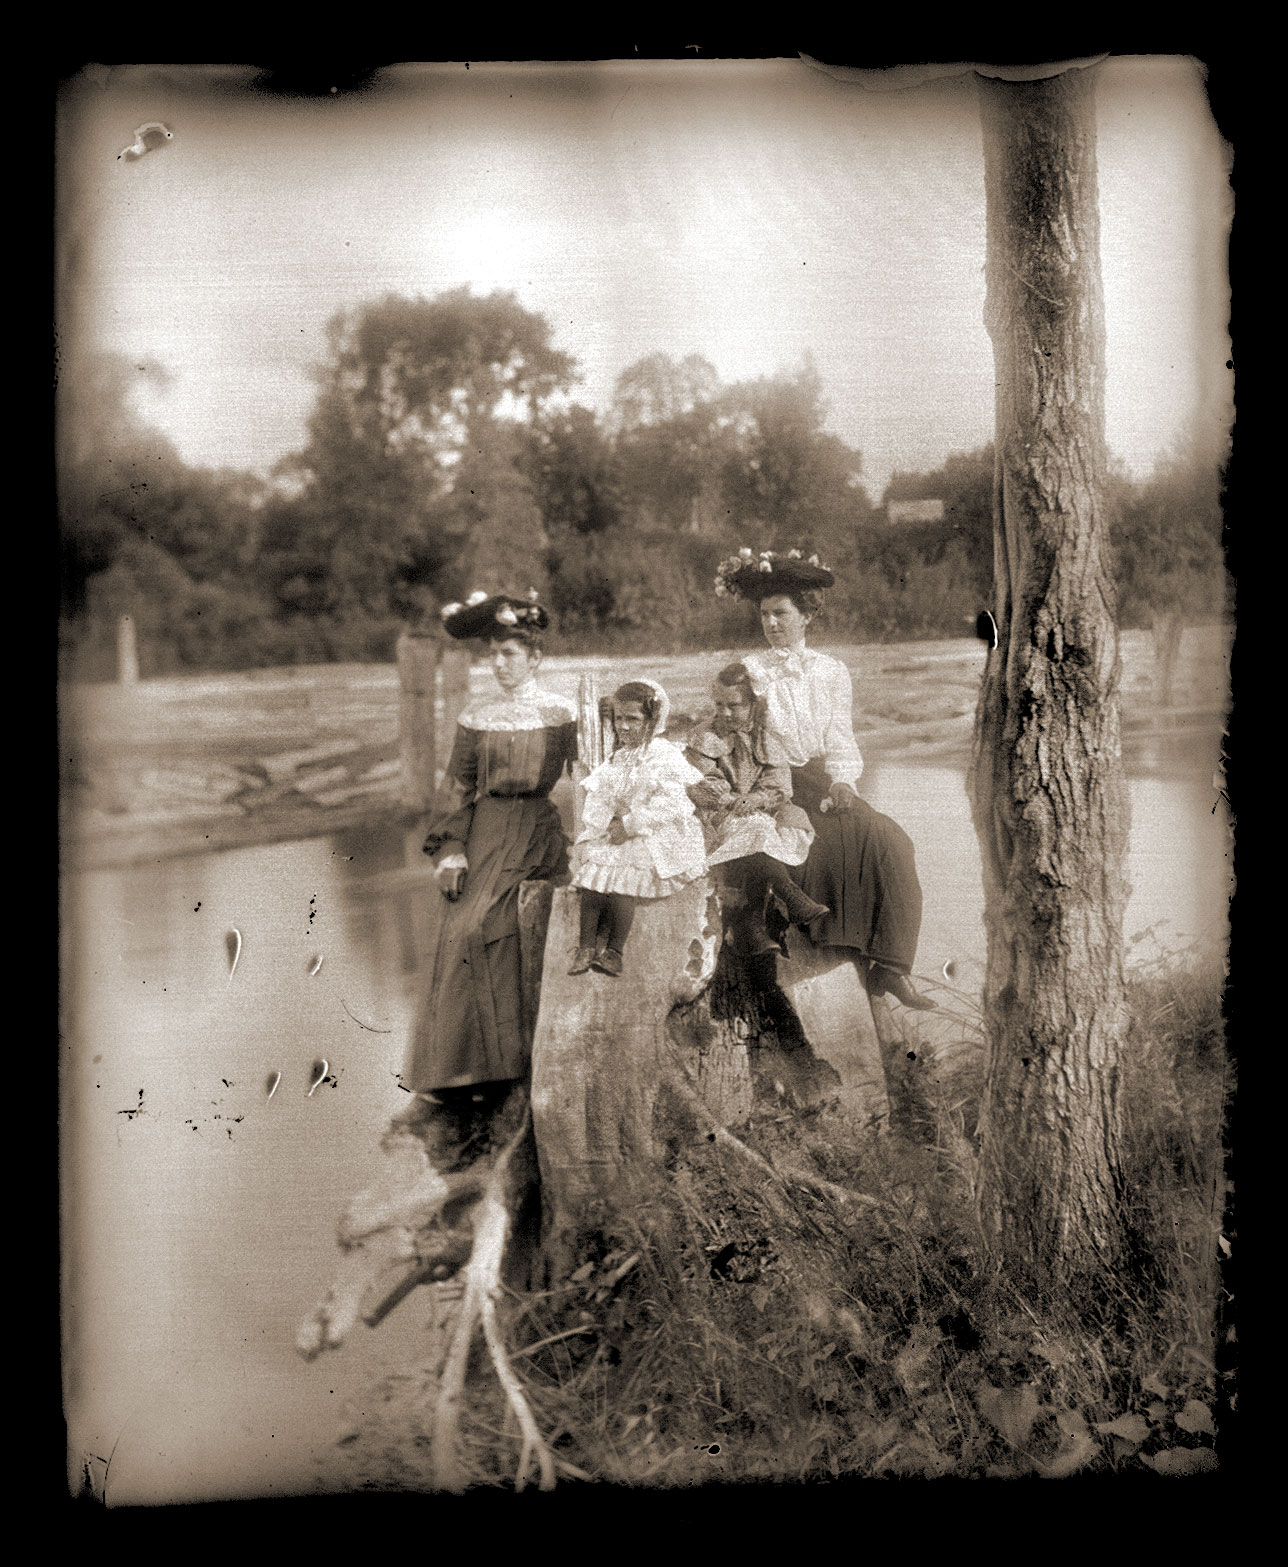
(841,754)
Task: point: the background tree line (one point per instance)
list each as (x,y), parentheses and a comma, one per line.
(444,453)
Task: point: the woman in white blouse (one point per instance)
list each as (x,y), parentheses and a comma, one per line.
(861,863)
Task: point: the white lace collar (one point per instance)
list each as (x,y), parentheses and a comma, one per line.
(529,706)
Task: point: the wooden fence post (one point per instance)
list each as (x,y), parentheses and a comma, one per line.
(127,652)
(593,745)
(417,718)
(453,694)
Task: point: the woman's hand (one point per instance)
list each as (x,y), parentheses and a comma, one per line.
(450,879)
(616,832)
(707,795)
(840,797)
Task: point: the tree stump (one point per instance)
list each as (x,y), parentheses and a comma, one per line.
(692,1037)
(691,1040)
(601,1046)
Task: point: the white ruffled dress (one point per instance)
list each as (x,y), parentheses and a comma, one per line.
(664,849)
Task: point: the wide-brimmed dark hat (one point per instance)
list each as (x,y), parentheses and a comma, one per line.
(490,615)
(748,576)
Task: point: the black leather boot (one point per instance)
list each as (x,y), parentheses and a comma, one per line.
(801,910)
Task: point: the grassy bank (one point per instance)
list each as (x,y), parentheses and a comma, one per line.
(731,1328)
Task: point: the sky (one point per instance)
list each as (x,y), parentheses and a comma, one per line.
(752,212)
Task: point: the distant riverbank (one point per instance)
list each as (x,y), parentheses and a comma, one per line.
(189,764)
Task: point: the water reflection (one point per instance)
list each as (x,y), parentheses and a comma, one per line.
(202,1211)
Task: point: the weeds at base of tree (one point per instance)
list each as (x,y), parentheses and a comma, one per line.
(713,1330)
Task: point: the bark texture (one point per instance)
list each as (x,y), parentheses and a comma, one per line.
(1047,783)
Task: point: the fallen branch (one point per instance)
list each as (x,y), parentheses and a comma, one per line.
(449,1253)
(392,1238)
(334,1316)
(554,1338)
(408,1194)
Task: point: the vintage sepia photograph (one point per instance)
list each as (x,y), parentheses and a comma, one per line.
(643,699)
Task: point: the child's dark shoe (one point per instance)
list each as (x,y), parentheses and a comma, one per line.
(801,910)
(608,962)
(751,937)
(582,960)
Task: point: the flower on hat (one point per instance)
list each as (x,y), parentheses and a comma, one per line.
(448,610)
(736,574)
(477,597)
(506,616)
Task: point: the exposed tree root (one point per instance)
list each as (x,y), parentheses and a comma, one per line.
(482,1276)
(415,1224)
(782,1176)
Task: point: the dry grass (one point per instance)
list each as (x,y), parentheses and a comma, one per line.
(716,1330)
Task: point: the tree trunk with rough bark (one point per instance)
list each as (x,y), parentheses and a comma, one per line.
(1047,781)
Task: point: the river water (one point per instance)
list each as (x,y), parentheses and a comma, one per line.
(199,1209)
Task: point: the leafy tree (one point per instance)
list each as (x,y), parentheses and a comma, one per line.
(391,488)
(964,482)
(946,567)
(145,535)
(1169,562)
(111,468)
(496,514)
(415,373)
(574,474)
(785,478)
(668,441)
(659,390)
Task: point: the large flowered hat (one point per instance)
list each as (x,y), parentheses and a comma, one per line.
(749,576)
(493,614)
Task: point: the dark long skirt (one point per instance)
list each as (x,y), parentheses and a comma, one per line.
(468,1028)
(862,865)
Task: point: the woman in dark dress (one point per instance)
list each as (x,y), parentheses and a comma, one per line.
(494,828)
(861,863)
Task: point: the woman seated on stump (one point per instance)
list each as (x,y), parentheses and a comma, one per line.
(861,864)
(494,828)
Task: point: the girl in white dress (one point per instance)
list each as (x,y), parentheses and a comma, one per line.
(640,836)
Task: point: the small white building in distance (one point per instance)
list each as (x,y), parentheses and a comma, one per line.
(914,511)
